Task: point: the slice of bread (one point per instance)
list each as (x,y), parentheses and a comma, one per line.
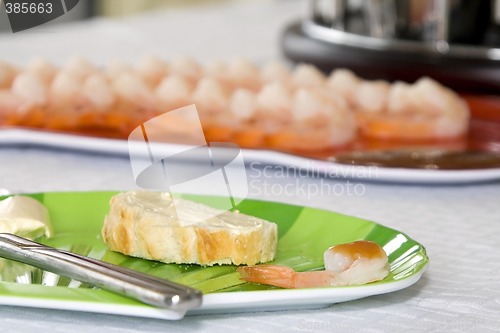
(144,224)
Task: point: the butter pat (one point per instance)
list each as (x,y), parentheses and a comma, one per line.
(25,217)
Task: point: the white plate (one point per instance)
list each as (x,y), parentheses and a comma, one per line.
(294,163)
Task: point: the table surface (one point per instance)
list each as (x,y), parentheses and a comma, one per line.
(458,224)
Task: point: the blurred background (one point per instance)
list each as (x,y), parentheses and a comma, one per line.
(113,8)
(105,31)
(454,41)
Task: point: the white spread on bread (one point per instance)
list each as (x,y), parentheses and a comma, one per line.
(146,224)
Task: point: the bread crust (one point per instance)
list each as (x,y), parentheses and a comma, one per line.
(134,227)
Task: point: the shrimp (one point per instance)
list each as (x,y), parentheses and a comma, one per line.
(130,87)
(188,68)
(43,69)
(355,263)
(422,111)
(400,99)
(308,76)
(152,69)
(7,74)
(210,96)
(436,99)
(29,88)
(319,121)
(345,83)
(216,69)
(274,103)
(275,71)
(116,68)
(98,91)
(243,104)
(9,103)
(65,88)
(173,92)
(80,68)
(371,96)
(244,74)
(236,117)
(25,101)
(309,107)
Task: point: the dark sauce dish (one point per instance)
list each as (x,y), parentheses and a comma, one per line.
(434,159)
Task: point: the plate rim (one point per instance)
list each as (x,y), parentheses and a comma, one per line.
(220,303)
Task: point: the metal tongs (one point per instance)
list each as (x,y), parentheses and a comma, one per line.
(145,288)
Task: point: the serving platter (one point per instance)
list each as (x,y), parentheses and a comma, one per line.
(304,234)
(304,165)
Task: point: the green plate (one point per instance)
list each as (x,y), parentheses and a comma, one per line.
(304,234)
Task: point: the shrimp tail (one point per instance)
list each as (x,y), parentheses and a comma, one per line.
(286,277)
(279,276)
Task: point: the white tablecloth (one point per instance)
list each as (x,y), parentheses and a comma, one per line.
(459,225)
